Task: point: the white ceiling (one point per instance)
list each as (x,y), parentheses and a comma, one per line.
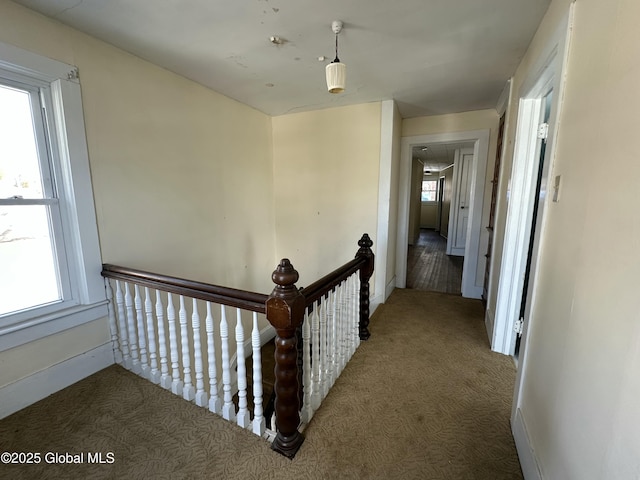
(431,56)
(438,155)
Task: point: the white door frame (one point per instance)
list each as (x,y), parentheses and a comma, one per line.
(480,139)
(546,75)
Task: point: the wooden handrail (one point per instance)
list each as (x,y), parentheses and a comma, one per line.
(327,283)
(255,302)
(285,309)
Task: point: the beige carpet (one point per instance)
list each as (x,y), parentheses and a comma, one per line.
(424,398)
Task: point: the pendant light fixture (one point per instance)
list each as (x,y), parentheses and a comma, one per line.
(336,71)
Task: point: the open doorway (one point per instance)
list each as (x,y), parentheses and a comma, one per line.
(412,176)
(439,214)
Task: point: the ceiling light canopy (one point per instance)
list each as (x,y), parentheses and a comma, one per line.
(336,71)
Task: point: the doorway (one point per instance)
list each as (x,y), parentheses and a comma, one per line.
(479,141)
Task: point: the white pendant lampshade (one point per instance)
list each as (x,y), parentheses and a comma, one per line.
(336,77)
(336,71)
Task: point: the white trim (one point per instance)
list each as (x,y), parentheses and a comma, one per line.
(517,229)
(76,177)
(481,152)
(34,65)
(29,390)
(527,456)
(374,303)
(388,108)
(547,73)
(390,286)
(19,333)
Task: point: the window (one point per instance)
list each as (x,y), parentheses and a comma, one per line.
(31,246)
(429,190)
(49,253)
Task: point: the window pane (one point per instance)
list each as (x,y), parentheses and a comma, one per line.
(429,190)
(28,277)
(19,165)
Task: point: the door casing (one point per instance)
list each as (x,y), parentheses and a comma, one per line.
(480,139)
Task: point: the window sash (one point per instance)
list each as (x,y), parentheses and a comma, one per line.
(40,96)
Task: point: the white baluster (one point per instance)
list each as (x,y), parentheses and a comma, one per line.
(329,358)
(113,327)
(353,325)
(307,411)
(165,378)
(258,419)
(315,358)
(214,400)
(343,338)
(344,318)
(201,396)
(176,383)
(324,384)
(142,341)
(354,311)
(122,323)
(131,321)
(228,409)
(242,419)
(188,391)
(154,375)
(356,304)
(333,349)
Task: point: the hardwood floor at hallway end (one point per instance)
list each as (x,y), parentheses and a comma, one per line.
(430,268)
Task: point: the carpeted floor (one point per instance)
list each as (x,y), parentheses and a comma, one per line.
(424,398)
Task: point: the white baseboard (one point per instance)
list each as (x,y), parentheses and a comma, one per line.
(488,323)
(390,286)
(373,304)
(526,454)
(26,391)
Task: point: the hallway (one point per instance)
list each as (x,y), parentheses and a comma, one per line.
(430,268)
(423,398)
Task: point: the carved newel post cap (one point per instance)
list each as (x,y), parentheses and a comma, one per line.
(365,241)
(285,275)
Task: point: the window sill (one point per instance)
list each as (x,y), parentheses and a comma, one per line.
(36,328)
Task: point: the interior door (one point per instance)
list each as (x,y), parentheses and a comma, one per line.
(461,201)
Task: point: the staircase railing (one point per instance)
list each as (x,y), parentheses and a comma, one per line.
(328,318)
(199,362)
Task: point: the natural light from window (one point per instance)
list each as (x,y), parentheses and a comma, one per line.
(28,265)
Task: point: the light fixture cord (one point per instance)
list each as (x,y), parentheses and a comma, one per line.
(337,60)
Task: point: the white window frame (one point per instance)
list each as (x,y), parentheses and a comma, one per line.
(430,178)
(85,301)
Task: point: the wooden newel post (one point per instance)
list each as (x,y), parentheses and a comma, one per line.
(285,311)
(366,271)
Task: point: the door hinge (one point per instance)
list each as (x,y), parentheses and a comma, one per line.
(543,131)
(517,327)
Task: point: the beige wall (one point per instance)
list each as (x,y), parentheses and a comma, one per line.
(581,384)
(428,215)
(461,122)
(20,362)
(182,176)
(415,205)
(326,166)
